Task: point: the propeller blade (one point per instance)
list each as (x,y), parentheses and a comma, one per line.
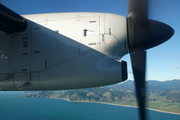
(143,34)
(138,8)
(138,61)
(137,23)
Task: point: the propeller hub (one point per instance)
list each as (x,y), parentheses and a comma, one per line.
(146,36)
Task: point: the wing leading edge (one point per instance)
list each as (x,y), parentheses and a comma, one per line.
(10,21)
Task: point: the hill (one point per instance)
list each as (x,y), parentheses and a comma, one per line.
(156,90)
(160,95)
(151,85)
(100,94)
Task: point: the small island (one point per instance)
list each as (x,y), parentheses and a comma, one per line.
(161,96)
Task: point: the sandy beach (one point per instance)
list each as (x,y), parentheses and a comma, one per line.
(118,105)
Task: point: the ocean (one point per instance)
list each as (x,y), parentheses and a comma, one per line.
(14,108)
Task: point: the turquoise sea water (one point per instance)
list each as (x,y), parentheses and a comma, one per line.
(14,108)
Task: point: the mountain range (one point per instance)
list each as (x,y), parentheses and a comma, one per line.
(167,91)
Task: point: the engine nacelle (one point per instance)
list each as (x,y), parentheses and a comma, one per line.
(64,51)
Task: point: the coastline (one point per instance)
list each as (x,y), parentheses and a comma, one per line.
(116,105)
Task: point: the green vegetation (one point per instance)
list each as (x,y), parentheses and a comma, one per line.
(164,106)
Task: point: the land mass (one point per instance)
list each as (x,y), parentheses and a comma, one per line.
(164,96)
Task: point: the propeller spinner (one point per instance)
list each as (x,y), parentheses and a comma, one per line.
(142,35)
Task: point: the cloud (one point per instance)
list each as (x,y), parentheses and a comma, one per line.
(175,66)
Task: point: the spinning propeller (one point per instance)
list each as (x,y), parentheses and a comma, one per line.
(142,35)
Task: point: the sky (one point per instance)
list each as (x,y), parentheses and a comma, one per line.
(163,62)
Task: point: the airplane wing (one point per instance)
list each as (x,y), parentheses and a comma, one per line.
(10,21)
